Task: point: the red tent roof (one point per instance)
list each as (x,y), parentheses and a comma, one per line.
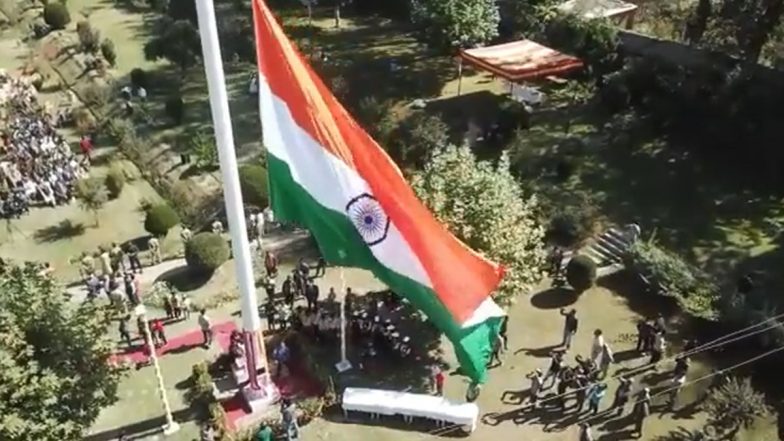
(521,60)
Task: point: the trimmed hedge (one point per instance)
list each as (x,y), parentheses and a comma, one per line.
(115,181)
(56,15)
(160,219)
(581,273)
(253,181)
(205,252)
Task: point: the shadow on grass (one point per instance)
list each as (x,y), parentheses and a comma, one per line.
(65,229)
(183,279)
(140,430)
(555,298)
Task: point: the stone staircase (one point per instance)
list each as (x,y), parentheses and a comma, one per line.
(606,250)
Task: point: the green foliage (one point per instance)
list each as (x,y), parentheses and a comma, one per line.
(253,181)
(593,41)
(115,180)
(84,121)
(203,147)
(182,10)
(92,195)
(89,38)
(177,42)
(175,109)
(108,52)
(96,95)
(735,404)
(417,138)
(205,252)
(450,24)
(570,226)
(160,219)
(581,273)
(675,277)
(54,378)
(485,207)
(56,15)
(139,78)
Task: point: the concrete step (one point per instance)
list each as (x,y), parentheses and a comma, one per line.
(606,242)
(610,254)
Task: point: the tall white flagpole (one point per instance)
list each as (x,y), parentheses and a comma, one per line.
(224,137)
(343,364)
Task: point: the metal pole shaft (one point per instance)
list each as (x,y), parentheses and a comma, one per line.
(224,137)
(342,316)
(158,375)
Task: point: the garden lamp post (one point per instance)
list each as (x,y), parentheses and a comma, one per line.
(171,426)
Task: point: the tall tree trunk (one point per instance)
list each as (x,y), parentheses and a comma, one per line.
(760,34)
(698,22)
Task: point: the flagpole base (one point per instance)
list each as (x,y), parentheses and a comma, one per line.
(171,429)
(259,400)
(343,366)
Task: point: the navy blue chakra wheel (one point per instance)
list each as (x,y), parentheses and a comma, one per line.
(369,218)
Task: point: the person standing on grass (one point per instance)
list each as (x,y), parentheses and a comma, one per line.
(106,263)
(271,263)
(659,346)
(312,296)
(595,396)
(585,432)
(86,146)
(536,386)
(321,267)
(155,250)
(498,349)
(675,387)
(556,364)
(206,328)
(117,257)
(168,307)
(158,332)
(281,355)
(187,305)
(124,333)
(288,293)
(597,346)
(502,332)
(642,408)
(133,258)
(440,379)
(176,305)
(622,395)
(131,288)
(570,327)
(582,384)
(644,334)
(605,360)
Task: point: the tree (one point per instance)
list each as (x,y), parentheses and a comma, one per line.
(89,38)
(92,195)
(182,10)
(418,137)
(54,375)
(485,207)
(108,52)
(735,404)
(450,24)
(739,27)
(177,42)
(56,15)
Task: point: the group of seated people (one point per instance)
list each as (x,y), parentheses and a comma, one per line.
(36,164)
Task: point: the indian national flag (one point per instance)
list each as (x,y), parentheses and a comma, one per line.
(327,174)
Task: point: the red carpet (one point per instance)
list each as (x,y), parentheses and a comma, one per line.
(221,334)
(298,383)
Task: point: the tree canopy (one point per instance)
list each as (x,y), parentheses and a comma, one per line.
(177,41)
(450,24)
(485,207)
(54,375)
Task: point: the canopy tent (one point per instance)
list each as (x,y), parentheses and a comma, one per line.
(519,60)
(617,11)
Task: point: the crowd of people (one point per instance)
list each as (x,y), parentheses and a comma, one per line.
(37,165)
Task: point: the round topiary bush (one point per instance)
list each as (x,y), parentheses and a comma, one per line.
(56,15)
(581,273)
(253,181)
(160,219)
(108,52)
(205,252)
(139,78)
(115,181)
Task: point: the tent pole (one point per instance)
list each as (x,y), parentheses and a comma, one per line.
(459,75)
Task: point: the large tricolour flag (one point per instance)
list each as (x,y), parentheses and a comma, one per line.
(327,174)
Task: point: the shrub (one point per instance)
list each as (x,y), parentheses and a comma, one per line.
(419,136)
(115,180)
(119,129)
(205,252)
(581,273)
(139,78)
(160,219)
(175,109)
(735,404)
(84,121)
(108,52)
(96,95)
(253,181)
(56,15)
(89,38)
(672,276)
(571,226)
(202,145)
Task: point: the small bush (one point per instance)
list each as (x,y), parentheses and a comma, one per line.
(56,15)
(160,219)
(96,95)
(84,121)
(420,135)
(253,181)
(735,404)
(139,78)
(205,252)
(203,147)
(115,180)
(108,52)
(119,129)
(89,38)
(571,226)
(581,273)
(175,109)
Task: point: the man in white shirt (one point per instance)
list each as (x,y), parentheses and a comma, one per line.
(206,327)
